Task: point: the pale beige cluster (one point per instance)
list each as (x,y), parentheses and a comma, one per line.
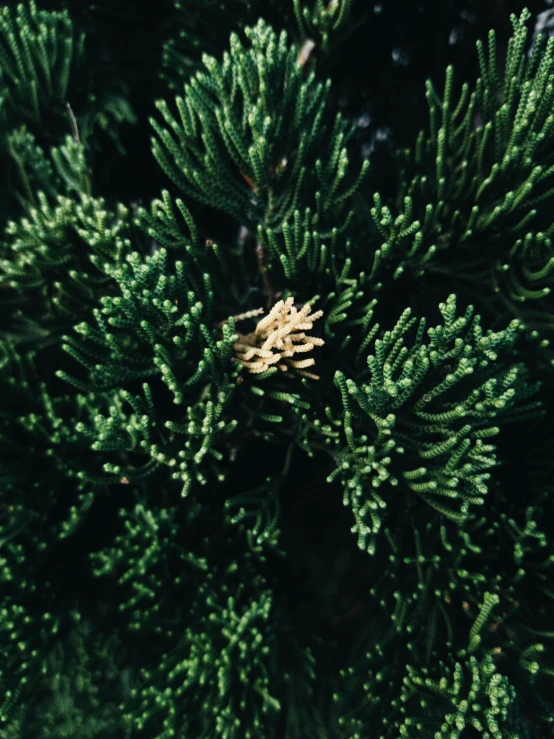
(277,338)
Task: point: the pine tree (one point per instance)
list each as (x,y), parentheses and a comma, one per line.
(275,327)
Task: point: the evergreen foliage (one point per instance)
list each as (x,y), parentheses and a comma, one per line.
(444,458)
(227,350)
(246,118)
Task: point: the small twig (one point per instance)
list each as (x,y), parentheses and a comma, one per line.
(288,458)
(261,255)
(305,52)
(73,123)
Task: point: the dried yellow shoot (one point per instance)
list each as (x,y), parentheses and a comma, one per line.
(278,337)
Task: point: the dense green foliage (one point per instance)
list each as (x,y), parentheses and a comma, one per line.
(355,541)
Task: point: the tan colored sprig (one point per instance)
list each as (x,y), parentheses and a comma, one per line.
(277,338)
